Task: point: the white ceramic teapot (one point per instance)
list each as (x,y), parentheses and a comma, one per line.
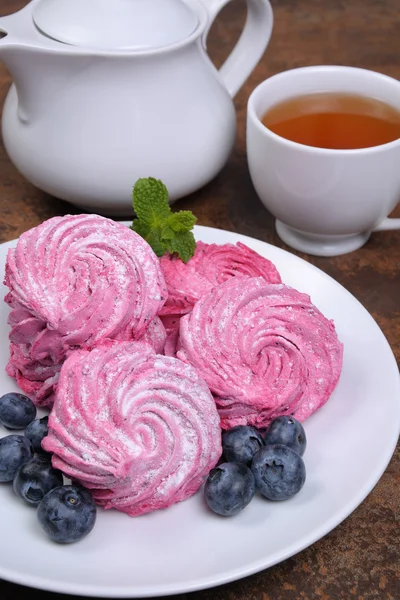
(107,91)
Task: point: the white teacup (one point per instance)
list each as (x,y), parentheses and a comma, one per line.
(326,202)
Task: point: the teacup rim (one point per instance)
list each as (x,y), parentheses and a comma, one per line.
(251,112)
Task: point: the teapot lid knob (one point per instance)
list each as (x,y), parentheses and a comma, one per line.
(115,24)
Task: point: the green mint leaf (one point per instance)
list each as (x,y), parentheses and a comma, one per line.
(183,245)
(167,233)
(150,201)
(162,229)
(141,228)
(182,221)
(154,240)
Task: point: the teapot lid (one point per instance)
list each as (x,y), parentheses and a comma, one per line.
(115,24)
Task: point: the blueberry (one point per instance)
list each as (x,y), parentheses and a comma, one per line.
(229,488)
(36,431)
(35,479)
(279,472)
(241,443)
(15,450)
(67,514)
(16,411)
(287,431)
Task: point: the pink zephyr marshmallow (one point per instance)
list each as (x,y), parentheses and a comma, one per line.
(211,265)
(75,281)
(141,431)
(265,350)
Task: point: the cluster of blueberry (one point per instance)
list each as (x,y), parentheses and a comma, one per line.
(66,513)
(271,463)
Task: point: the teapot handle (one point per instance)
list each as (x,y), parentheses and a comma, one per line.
(251,45)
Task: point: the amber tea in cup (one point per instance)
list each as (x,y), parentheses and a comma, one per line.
(329,192)
(335,121)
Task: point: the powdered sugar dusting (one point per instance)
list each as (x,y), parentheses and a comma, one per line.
(141,431)
(211,265)
(263,349)
(75,281)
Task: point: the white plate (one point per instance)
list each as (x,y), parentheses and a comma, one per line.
(184,548)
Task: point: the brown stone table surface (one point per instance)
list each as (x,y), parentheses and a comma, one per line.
(359,559)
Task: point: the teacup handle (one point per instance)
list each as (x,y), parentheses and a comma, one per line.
(387,225)
(251,45)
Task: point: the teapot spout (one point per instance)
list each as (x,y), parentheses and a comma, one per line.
(40,76)
(39,66)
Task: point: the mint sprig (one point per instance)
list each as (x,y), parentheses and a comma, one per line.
(164,230)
